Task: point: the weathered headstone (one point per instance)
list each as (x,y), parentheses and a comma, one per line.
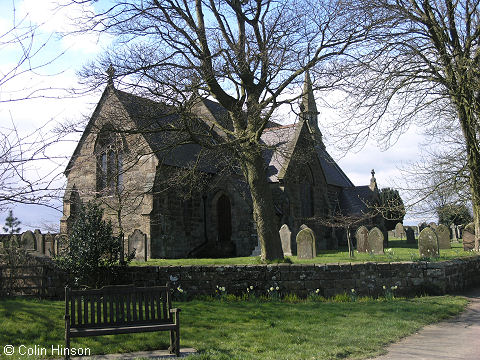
(61,243)
(39,241)
(362,239)
(399,231)
(306,248)
(138,241)
(28,240)
(49,242)
(469,237)
(410,234)
(453,232)
(375,240)
(460,229)
(443,235)
(286,238)
(428,243)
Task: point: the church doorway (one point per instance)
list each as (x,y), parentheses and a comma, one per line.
(224,219)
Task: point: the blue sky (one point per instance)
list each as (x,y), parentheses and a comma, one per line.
(60,107)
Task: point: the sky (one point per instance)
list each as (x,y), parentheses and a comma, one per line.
(59,106)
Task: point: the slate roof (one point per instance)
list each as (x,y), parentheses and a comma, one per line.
(355,200)
(148,116)
(279,142)
(333,173)
(282,140)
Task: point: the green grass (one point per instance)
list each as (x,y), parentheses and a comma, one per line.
(225,330)
(398,250)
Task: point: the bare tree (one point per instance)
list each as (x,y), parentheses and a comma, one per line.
(23,163)
(247,55)
(422,67)
(22,154)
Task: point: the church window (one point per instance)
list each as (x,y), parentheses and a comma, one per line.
(306,193)
(224,218)
(110,154)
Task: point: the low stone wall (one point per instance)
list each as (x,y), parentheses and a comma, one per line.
(411,278)
(368,279)
(40,278)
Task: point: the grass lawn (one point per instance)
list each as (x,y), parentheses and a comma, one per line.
(223,330)
(398,250)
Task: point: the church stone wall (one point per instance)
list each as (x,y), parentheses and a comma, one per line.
(135,201)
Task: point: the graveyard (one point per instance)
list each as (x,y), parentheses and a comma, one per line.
(397,250)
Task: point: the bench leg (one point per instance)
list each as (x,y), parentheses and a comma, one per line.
(67,340)
(175,341)
(171,349)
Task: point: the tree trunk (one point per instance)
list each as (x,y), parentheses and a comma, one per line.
(468,123)
(253,166)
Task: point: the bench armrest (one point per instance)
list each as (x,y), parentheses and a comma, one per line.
(175,310)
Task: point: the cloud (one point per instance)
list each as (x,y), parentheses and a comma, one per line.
(60,17)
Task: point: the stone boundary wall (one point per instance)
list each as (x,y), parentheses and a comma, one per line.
(368,279)
(40,278)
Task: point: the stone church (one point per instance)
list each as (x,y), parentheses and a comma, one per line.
(191,202)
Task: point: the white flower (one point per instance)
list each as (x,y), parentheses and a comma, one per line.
(251,287)
(222,288)
(271,288)
(277,288)
(384,287)
(353,290)
(317,291)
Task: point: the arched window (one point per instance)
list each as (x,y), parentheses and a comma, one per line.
(109,151)
(306,192)
(224,218)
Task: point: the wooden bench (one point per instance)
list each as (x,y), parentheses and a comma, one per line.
(122,309)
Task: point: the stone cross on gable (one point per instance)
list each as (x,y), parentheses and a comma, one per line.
(373,181)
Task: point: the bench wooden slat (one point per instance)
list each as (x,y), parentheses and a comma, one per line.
(85,310)
(146,301)
(129,318)
(79,310)
(120,330)
(134,307)
(72,311)
(99,309)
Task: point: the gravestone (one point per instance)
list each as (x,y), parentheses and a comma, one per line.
(49,245)
(459,231)
(362,239)
(453,231)
(138,241)
(399,231)
(61,243)
(428,243)
(286,238)
(410,234)
(375,240)
(469,237)
(306,243)
(39,241)
(443,235)
(28,240)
